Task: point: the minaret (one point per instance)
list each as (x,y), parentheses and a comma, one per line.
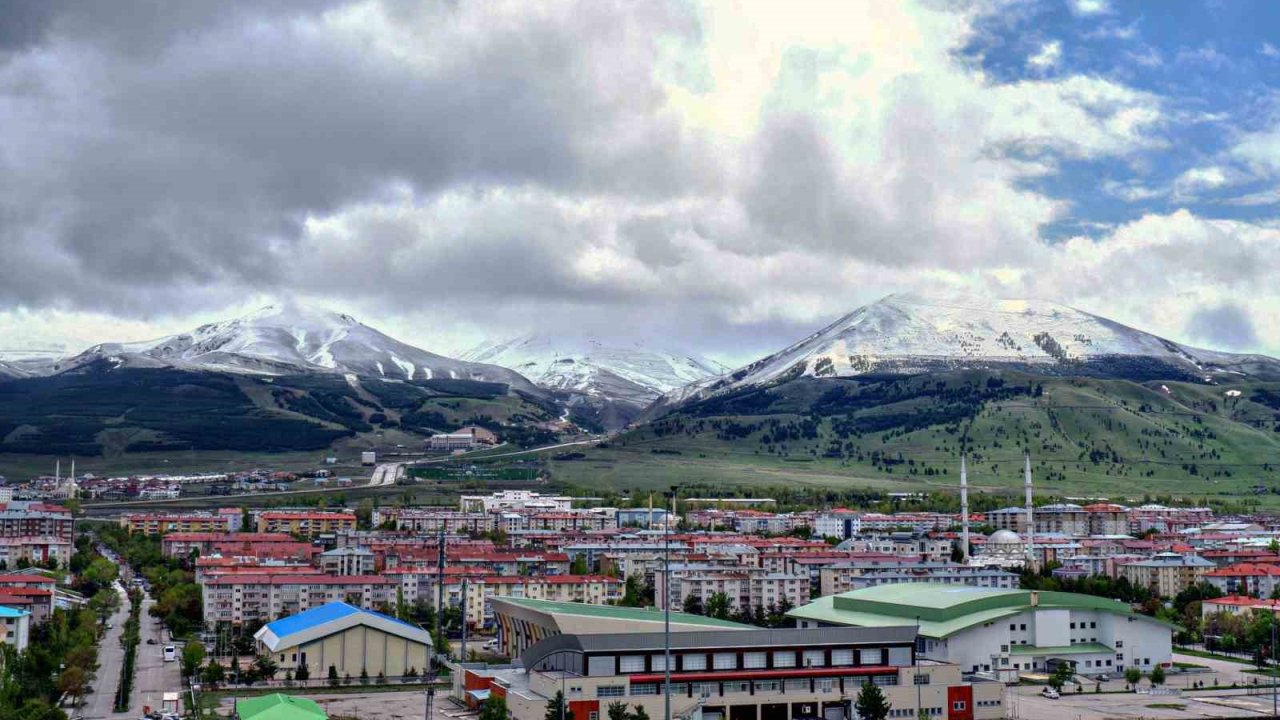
(1031,518)
(72,488)
(964,513)
(57,472)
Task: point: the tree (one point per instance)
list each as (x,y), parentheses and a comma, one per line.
(1132,675)
(557,709)
(333,676)
(495,708)
(718,606)
(213,674)
(871,703)
(73,681)
(579,565)
(192,656)
(1061,675)
(618,711)
(302,673)
(693,605)
(266,667)
(640,713)
(1157,675)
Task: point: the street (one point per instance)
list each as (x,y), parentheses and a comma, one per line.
(152,675)
(99,704)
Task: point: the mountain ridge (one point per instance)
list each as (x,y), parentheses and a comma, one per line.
(285,340)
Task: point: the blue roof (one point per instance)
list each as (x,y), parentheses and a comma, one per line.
(325,613)
(8,612)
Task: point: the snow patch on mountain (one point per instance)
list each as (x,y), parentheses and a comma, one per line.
(909,333)
(629,372)
(292,339)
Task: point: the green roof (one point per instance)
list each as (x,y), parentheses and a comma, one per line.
(617,612)
(279,707)
(1078,649)
(942,610)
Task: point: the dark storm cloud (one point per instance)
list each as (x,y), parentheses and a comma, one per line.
(1227,327)
(182,145)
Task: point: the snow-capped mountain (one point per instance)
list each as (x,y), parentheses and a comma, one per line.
(289,339)
(911,333)
(596,372)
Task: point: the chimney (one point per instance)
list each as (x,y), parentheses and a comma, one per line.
(964,513)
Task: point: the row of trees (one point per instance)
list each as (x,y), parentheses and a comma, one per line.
(61,658)
(719,606)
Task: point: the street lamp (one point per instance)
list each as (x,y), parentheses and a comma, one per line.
(431,696)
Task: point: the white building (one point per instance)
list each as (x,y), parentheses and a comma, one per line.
(1004,631)
(513,500)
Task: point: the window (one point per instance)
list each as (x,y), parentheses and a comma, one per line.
(706,689)
(922,679)
(647,689)
(899,656)
(1073,626)
(1093,625)
(883,680)
(631,664)
(797,685)
(869,657)
(1119,643)
(843,656)
(752,660)
(1012,626)
(611,691)
(814,658)
(694,661)
(958,706)
(737,687)
(593,715)
(767,686)
(1023,626)
(724,661)
(658,663)
(784,659)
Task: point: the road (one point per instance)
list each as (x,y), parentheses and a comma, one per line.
(110,655)
(154,676)
(384,475)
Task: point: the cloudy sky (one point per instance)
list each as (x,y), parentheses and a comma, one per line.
(722,177)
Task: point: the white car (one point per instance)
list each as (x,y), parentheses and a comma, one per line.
(1050,693)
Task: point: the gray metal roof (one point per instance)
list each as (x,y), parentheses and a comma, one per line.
(718,639)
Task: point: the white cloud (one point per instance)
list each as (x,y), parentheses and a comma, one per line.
(1269,50)
(1132,191)
(1090,7)
(1200,179)
(1047,57)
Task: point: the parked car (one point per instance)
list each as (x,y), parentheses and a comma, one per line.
(1050,693)
(1103,677)
(151,641)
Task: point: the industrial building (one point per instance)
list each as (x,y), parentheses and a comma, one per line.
(752,674)
(346,638)
(1005,632)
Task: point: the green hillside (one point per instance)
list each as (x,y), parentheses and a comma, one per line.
(1086,437)
(106,412)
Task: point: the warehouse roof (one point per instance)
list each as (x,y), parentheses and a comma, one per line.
(716,639)
(615,612)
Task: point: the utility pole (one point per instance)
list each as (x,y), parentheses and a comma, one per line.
(431,695)
(439,590)
(462,605)
(915,656)
(666,606)
(1274,714)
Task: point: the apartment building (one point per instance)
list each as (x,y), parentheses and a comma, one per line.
(240,597)
(33,519)
(1254,579)
(853,576)
(182,544)
(1166,574)
(305,523)
(159,523)
(746,589)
